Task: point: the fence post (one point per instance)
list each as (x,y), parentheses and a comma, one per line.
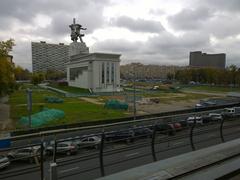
(153,144)
(221,130)
(42,160)
(191,134)
(55,150)
(53,171)
(101,154)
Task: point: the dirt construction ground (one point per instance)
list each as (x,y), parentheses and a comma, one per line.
(163,107)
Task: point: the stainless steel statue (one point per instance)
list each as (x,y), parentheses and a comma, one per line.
(75,31)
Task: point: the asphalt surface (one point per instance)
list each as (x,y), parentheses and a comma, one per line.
(123,156)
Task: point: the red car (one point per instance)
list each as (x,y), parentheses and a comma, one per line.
(176,126)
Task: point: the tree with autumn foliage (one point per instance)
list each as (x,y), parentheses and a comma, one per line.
(7,78)
(21,74)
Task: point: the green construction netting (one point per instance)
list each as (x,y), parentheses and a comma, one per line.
(53,99)
(42,117)
(115,104)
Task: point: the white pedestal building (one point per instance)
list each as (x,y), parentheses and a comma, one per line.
(98,72)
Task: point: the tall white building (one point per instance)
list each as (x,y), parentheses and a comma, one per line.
(47,56)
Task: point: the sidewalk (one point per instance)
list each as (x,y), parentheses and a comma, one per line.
(206,93)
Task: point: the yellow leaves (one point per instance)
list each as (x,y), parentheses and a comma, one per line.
(7,78)
(6,47)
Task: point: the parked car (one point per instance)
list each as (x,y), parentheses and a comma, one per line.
(88,142)
(65,147)
(215,116)
(177,126)
(141,132)
(203,104)
(4,161)
(183,123)
(121,135)
(26,154)
(198,105)
(231,112)
(198,119)
(206,119)
(228,112)
(165,129)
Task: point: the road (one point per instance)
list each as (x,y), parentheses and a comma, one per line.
(128,155)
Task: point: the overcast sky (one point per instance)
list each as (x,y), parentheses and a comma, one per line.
(146,31)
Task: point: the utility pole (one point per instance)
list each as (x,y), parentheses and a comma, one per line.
(29,106)
(134,94)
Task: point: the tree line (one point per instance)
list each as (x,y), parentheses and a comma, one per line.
(222,77)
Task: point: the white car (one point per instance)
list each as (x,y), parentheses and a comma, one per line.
(198,105)
(88,142)
(65,147)
(215,116)
(4,161)
(198,119)
(26,154)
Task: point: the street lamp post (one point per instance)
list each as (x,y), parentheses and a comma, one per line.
(134,95)
(29,106)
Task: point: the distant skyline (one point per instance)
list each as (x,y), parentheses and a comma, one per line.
(150,32)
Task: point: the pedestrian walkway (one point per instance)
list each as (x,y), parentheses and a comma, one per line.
(205,93)
(91,100)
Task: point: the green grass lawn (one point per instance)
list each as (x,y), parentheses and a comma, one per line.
(76,110)
(70,89)
(213,89)
(20,97)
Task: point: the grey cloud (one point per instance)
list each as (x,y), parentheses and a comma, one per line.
(160,49)
(171,45)
(89,12)
(156,12)
(21,54)
(231,47)
(90,17)
(16,9)
(221,5)
(117,46)
(210,21)
(138,25)
(223,26)
(25,9)
(189,19)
